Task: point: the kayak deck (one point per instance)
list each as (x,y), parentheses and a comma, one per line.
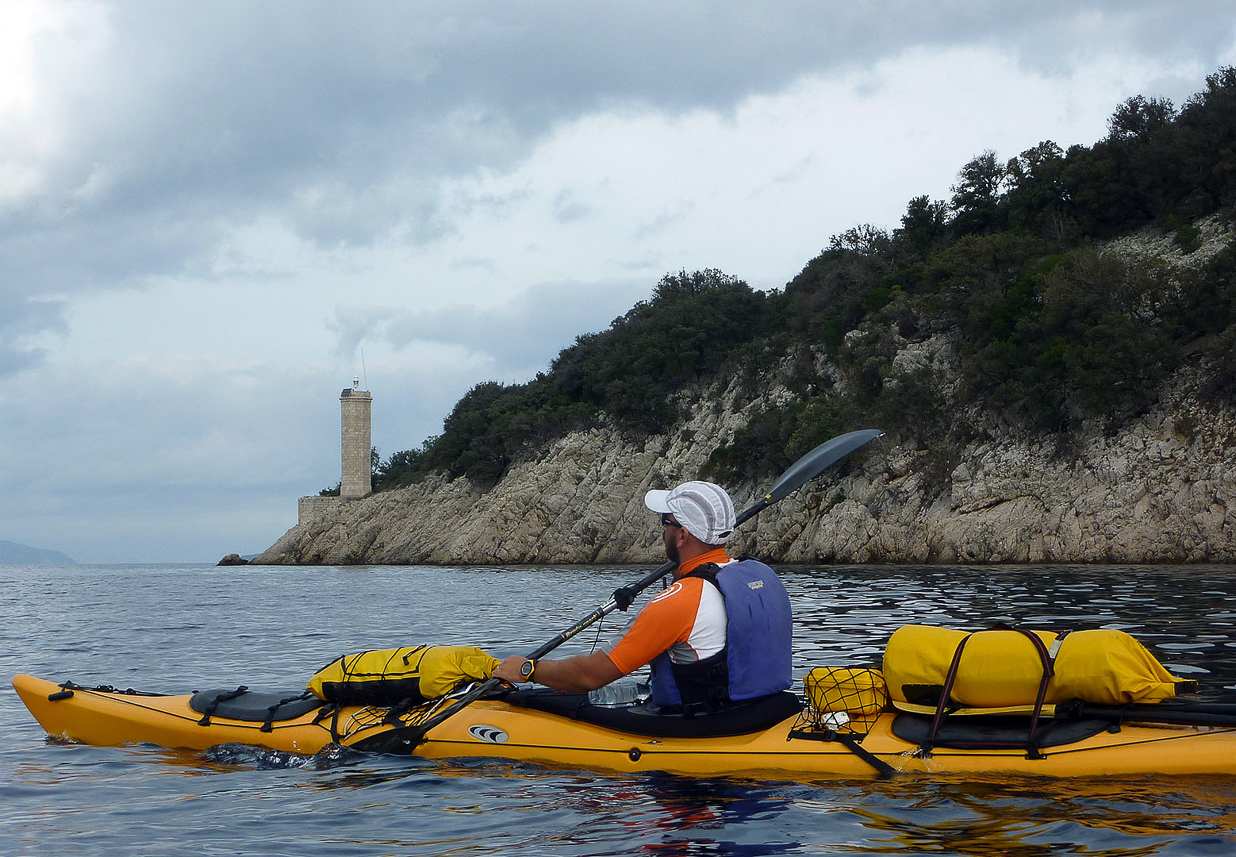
(496,728)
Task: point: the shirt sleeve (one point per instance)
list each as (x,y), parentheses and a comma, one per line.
(666,620)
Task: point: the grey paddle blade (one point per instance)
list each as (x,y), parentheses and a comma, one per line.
(817,460)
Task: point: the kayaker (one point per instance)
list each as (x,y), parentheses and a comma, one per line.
(721,633)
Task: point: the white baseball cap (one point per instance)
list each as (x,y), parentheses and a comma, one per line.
(703,509)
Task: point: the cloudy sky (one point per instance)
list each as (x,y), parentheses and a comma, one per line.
(214,214)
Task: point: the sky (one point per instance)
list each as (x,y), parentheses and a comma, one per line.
(214,215)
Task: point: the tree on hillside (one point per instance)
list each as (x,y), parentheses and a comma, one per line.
(976,195)
(1139,118)
(1037,199)
(923,226)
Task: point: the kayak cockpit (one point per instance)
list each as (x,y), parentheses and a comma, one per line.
(645,719)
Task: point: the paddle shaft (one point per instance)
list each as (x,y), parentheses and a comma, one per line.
(544,649)
(800,472)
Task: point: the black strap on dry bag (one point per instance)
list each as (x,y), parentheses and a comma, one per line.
(1047,658)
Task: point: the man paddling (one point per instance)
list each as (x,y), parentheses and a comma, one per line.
(720,634)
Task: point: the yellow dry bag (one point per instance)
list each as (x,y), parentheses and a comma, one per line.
(1005,668)
(393,676)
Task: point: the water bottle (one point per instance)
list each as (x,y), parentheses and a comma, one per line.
(619,694)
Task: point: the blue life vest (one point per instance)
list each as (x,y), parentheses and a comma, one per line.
(758,654)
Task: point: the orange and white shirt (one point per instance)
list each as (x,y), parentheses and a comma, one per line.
(687,620)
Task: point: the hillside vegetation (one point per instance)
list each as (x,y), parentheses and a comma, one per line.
(1046,329)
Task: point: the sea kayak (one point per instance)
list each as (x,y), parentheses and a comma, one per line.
(768,739)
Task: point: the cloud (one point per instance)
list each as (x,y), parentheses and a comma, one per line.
(168,120)
(568,207)
(352,324)
(23,324)
(514,339)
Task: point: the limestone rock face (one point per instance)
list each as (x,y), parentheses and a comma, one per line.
(1160,491)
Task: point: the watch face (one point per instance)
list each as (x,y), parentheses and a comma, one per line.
(526,669)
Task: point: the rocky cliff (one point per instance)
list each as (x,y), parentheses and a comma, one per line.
(1158,490)
(1162,490)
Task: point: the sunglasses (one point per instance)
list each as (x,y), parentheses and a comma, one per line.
(667,521)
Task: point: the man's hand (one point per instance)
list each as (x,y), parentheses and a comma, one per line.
(509,670)
(624,597)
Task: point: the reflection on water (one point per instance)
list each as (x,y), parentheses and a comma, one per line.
(178,628)
(1022,817)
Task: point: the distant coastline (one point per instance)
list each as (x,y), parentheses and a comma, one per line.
(12,553)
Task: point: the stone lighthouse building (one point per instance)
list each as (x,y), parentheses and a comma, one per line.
(355,405)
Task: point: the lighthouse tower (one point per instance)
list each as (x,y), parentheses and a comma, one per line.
(355,405)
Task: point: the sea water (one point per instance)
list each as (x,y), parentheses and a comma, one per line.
(176,628)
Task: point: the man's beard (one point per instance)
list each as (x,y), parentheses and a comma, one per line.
(671,551)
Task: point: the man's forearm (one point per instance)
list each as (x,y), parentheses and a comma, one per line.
(574,674)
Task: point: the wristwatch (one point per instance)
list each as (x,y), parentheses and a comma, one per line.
(526,669)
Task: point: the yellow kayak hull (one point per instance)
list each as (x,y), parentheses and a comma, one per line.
(493,728)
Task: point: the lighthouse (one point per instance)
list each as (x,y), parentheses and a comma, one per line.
(355,406)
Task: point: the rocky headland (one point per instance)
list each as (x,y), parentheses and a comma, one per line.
(1161,488)
(1162,491)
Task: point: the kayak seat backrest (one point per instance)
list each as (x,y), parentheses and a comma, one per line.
(755,715)
(254,707)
